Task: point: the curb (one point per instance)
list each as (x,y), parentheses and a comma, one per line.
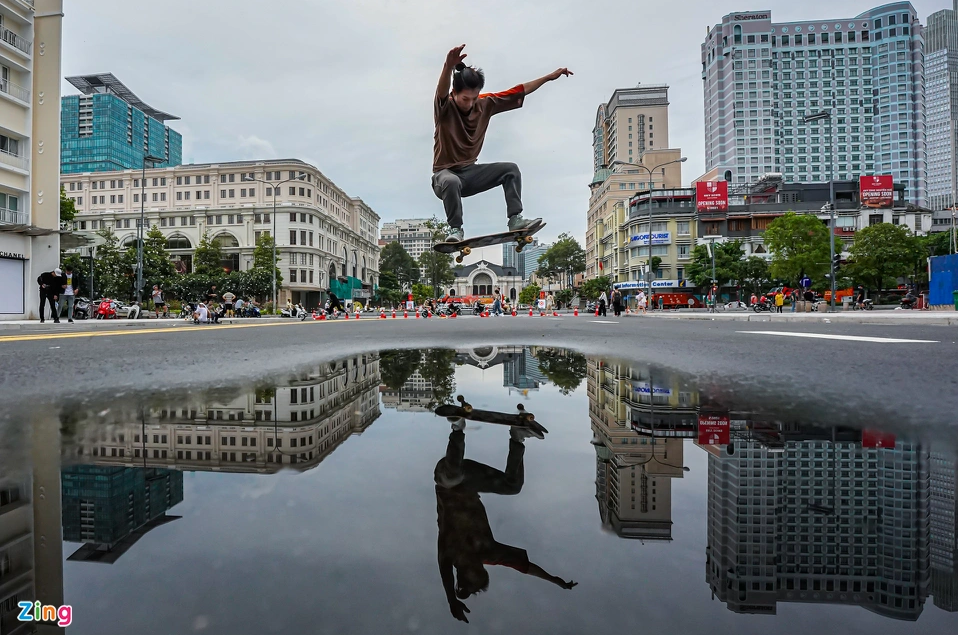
(856,318)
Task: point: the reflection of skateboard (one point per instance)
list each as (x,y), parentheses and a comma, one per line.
(521,237)
(521,420)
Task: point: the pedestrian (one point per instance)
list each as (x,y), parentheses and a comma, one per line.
(616,302)
(603,301)
(642,302)
(159,304)
(753,300)
(794,298)
(239,305)
(202,314)
(228,299)
(497,302)
(779,301)
(550,303)
(212,295)
(51,283)
(70,285)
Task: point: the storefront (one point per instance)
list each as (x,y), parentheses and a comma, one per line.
(14,257)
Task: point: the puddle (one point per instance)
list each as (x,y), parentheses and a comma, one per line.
(340,502)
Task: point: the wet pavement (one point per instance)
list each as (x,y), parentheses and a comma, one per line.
(337,501)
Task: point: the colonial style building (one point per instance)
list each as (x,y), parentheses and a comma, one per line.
(482,278)
(326,238)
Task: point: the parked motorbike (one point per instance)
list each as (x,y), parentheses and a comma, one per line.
(106,310)
(81,309)
(866,305)
(478,308)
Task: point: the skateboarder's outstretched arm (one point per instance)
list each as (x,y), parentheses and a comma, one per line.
(530,87)
(453,57)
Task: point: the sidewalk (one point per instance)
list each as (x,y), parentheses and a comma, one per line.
(940,318)
(88,325)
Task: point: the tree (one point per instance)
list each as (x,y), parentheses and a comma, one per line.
(564,297)
(262,256)
(437,270)
(728,263)
(109,267)
(438,368)
(68,210)
(208,257)
(396,367)
(157,266)
(592,289)
(754,274)
(799,244)
(396,261)
(881,253)
(936,244)
(389,291)
(421,293)
(562,260)
(564,368)
(529,294)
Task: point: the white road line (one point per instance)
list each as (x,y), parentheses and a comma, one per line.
(847,338)
(602,322)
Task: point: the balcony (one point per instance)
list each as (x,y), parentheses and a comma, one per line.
(13,217)
(17,92)
(15,40)
(14,160)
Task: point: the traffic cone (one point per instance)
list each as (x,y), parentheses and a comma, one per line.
(394,314)
(453,314)
(417,314)
(542,313)
(555,314)
(575,312)
(382,314)
(357,315)
(597,309)
(405,314)
(514,314)
(530,311)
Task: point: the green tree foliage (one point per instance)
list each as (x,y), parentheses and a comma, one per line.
(799,243)
(208,257)
(564,297)
(564,368)
(754,274)
(936,244)
(396,261)
(437,270)
(438,368)
(562,261)
(157,266)
(421,293)
(110,268)
(592,289)
(389,291)
(262,256)
(728,263)
(882,253)
(68,210)
(397,367)
(529,294)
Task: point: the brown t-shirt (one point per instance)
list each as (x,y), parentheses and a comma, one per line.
(459,137)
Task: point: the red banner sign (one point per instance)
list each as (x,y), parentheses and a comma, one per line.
(714,430)
(711,196)
(877,191)
(877,439)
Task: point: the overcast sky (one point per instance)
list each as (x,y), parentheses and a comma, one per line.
(347,85)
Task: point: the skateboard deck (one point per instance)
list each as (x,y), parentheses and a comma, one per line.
(522,419)
(521,237)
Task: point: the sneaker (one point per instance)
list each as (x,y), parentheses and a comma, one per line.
(517,222)
(458,423)
(521,433)
(455,235)
(70,320)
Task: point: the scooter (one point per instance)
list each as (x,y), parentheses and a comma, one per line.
(759,307)
(81,310)
(866,305)
(106,310)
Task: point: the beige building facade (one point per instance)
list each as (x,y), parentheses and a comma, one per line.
(30,36)
(323,234)
(631,130)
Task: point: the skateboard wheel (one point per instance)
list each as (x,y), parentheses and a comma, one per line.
(527,417)
(528,240)
(519,249)
(459,260)
(466,251)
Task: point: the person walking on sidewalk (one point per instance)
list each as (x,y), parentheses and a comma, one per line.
(642,302)
(602,304)
(159,304)
(70,286)
(461,119)
(51,283)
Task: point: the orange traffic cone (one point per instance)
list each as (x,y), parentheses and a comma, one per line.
(575,312)
(530,311)
(597,309)
(514,314)
(417,314)
(453,314)
(555,314)
(405,314)
(394,314)
(382,314)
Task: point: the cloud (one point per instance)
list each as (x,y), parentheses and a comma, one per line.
(252,147)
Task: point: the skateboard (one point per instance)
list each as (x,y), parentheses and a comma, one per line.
(521,237)
(522,419)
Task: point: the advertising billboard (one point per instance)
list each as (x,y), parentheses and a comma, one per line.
(877,191)
(714,430)
(658,238)
(711,196)
(877,439)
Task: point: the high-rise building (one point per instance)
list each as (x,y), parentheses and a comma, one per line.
(624,134)
(412,233)
(761,78)
(944,537)
(327,239)
(941,105)
(109,128)
(29,150)
(525,262)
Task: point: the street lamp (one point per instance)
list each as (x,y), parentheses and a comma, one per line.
(275,185)
(818,116)
(648,272)
(139,249)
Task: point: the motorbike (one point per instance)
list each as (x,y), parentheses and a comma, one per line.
(758,307)
(296,312)
(865,305)
(478,308)
(81,309)
(187,310)
(909,303)
(106,310)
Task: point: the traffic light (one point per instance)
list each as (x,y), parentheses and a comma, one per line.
(836,261)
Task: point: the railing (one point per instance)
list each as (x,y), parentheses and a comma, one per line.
(15,40)
(19,92)
(13,217)
(15,160)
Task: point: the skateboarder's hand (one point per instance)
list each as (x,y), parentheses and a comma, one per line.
(556,74)
(455,56)
(459,610)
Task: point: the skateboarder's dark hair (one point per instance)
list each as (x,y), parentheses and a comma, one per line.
(467,78)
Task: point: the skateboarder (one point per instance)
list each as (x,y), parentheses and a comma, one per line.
(466,542)
(462,118)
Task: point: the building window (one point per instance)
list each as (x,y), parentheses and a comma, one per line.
(292,275)
(292,237)
(222,193)
(292,217)
(232,192)
(292,191)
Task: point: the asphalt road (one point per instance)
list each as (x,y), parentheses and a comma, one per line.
(836,379)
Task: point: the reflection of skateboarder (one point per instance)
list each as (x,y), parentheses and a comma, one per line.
(461,119)
(466,542)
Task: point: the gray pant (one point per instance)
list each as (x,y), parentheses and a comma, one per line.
(455,184)
(66,302)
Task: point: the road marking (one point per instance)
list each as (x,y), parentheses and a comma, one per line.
(847,338)
(602,322)
(136,331)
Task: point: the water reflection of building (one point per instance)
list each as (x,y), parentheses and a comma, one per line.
(821,519)
(264,430)
(110,508)
(944,543)
(16,551)
(416,395)
(638,421)
(520,368)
